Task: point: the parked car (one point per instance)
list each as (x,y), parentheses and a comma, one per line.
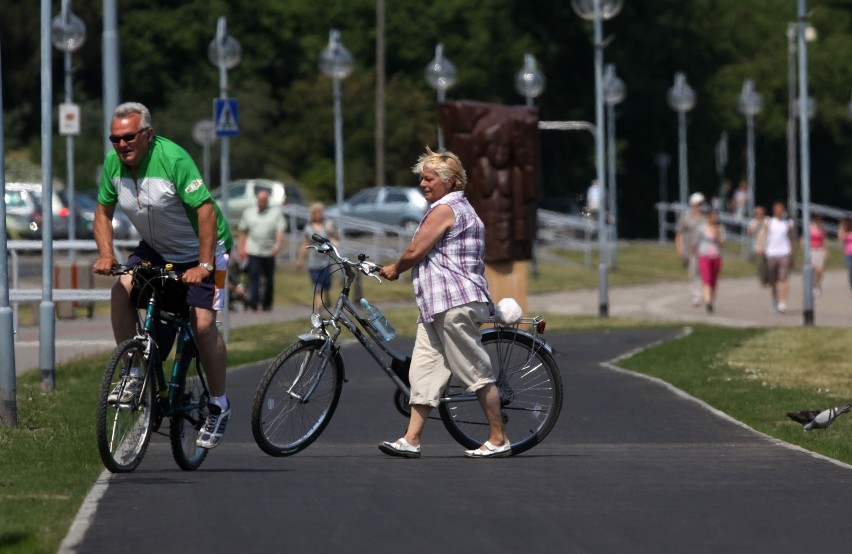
(242,192)
(400,206)
(24,218)
(122,229)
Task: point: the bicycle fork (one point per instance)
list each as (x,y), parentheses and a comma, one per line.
(322,356)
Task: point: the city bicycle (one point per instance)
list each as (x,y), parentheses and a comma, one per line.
(134,393)
(300,390)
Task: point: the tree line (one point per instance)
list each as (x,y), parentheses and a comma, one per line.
(286,108)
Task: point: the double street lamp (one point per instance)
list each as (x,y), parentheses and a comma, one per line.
(337,63)
(440,74)
(529,81)
(750,103)
(68,34)
(598,11)
(681,99)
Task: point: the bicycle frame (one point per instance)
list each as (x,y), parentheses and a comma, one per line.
(185,351)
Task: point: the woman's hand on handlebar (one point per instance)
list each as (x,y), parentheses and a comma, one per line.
(389,272)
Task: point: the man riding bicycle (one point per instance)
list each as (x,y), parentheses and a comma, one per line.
(160,189)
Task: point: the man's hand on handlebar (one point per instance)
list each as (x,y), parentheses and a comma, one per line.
(103,265)
(195,275)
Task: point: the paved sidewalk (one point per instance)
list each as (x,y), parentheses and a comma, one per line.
(740,303)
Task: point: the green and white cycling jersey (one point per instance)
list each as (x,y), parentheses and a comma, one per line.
(162,204)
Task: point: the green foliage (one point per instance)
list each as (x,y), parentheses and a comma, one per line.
(286,104)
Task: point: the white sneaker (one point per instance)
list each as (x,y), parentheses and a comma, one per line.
(782,307)
(817,291)
(214,427)
(126,390)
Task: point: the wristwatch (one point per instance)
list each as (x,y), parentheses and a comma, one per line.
(207,266)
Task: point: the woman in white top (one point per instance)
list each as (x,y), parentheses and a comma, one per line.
(777,239)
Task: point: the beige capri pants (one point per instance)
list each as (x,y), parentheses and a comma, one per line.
(449,345)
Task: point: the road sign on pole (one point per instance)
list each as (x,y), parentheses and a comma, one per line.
(226,113)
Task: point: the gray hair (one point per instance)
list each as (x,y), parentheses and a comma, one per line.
(446,166)
(130,108)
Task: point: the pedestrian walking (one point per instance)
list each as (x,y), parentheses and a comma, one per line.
(448,274)
(687,231)
(755,230)
(261,230)
(318,268)
(778,239)
(708,247)
(819,253)
(844,237)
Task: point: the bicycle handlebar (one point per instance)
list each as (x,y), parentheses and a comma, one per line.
(165,272)
(325,246)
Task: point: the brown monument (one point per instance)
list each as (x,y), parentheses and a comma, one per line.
(499,148)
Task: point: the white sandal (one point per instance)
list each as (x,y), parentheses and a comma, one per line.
(490,451)
(401,449)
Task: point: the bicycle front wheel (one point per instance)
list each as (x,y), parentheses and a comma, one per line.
(296,398)
(187,419)
(530,394)
(126,407)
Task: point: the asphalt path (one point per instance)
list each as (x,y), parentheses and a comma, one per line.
(630,467)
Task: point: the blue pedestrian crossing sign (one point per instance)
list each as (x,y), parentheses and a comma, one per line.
(226,113)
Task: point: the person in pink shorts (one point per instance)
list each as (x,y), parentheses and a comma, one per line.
(708,248)
(844,236)
(819,254)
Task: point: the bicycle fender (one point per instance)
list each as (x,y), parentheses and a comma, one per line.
(496,330)
(310,338)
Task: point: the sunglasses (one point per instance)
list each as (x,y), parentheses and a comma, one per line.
(130,137)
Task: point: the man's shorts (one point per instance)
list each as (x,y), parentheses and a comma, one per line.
(210,294)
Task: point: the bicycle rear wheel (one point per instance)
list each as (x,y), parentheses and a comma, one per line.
(530,393)
(282,421)
(187,419)
(125,422)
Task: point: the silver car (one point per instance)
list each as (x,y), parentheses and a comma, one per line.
(399,206)
(242,194)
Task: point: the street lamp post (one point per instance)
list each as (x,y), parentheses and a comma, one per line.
(224,52)
(750,103)
(68,35)
(440,75)
(810,36)
(662,159)
(614,92)
(337,62)
(529,81)
(805,149)
(598,11)
(681,99)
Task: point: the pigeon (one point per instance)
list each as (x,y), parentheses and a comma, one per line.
(815,419)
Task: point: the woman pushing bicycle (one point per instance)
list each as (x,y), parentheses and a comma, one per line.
(448,274)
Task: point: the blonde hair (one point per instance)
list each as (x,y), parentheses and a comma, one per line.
(445,164)
(316,207)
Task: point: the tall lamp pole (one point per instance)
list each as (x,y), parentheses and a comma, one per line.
(805,149)
(810,36)
(681,98)
(750,103)
(529,81)
(69,34)
(46,308)
(8,386)
(440,75)
(337,62)
(598,11)
(614,93)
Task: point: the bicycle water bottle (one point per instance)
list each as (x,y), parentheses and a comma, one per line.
(378,321)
